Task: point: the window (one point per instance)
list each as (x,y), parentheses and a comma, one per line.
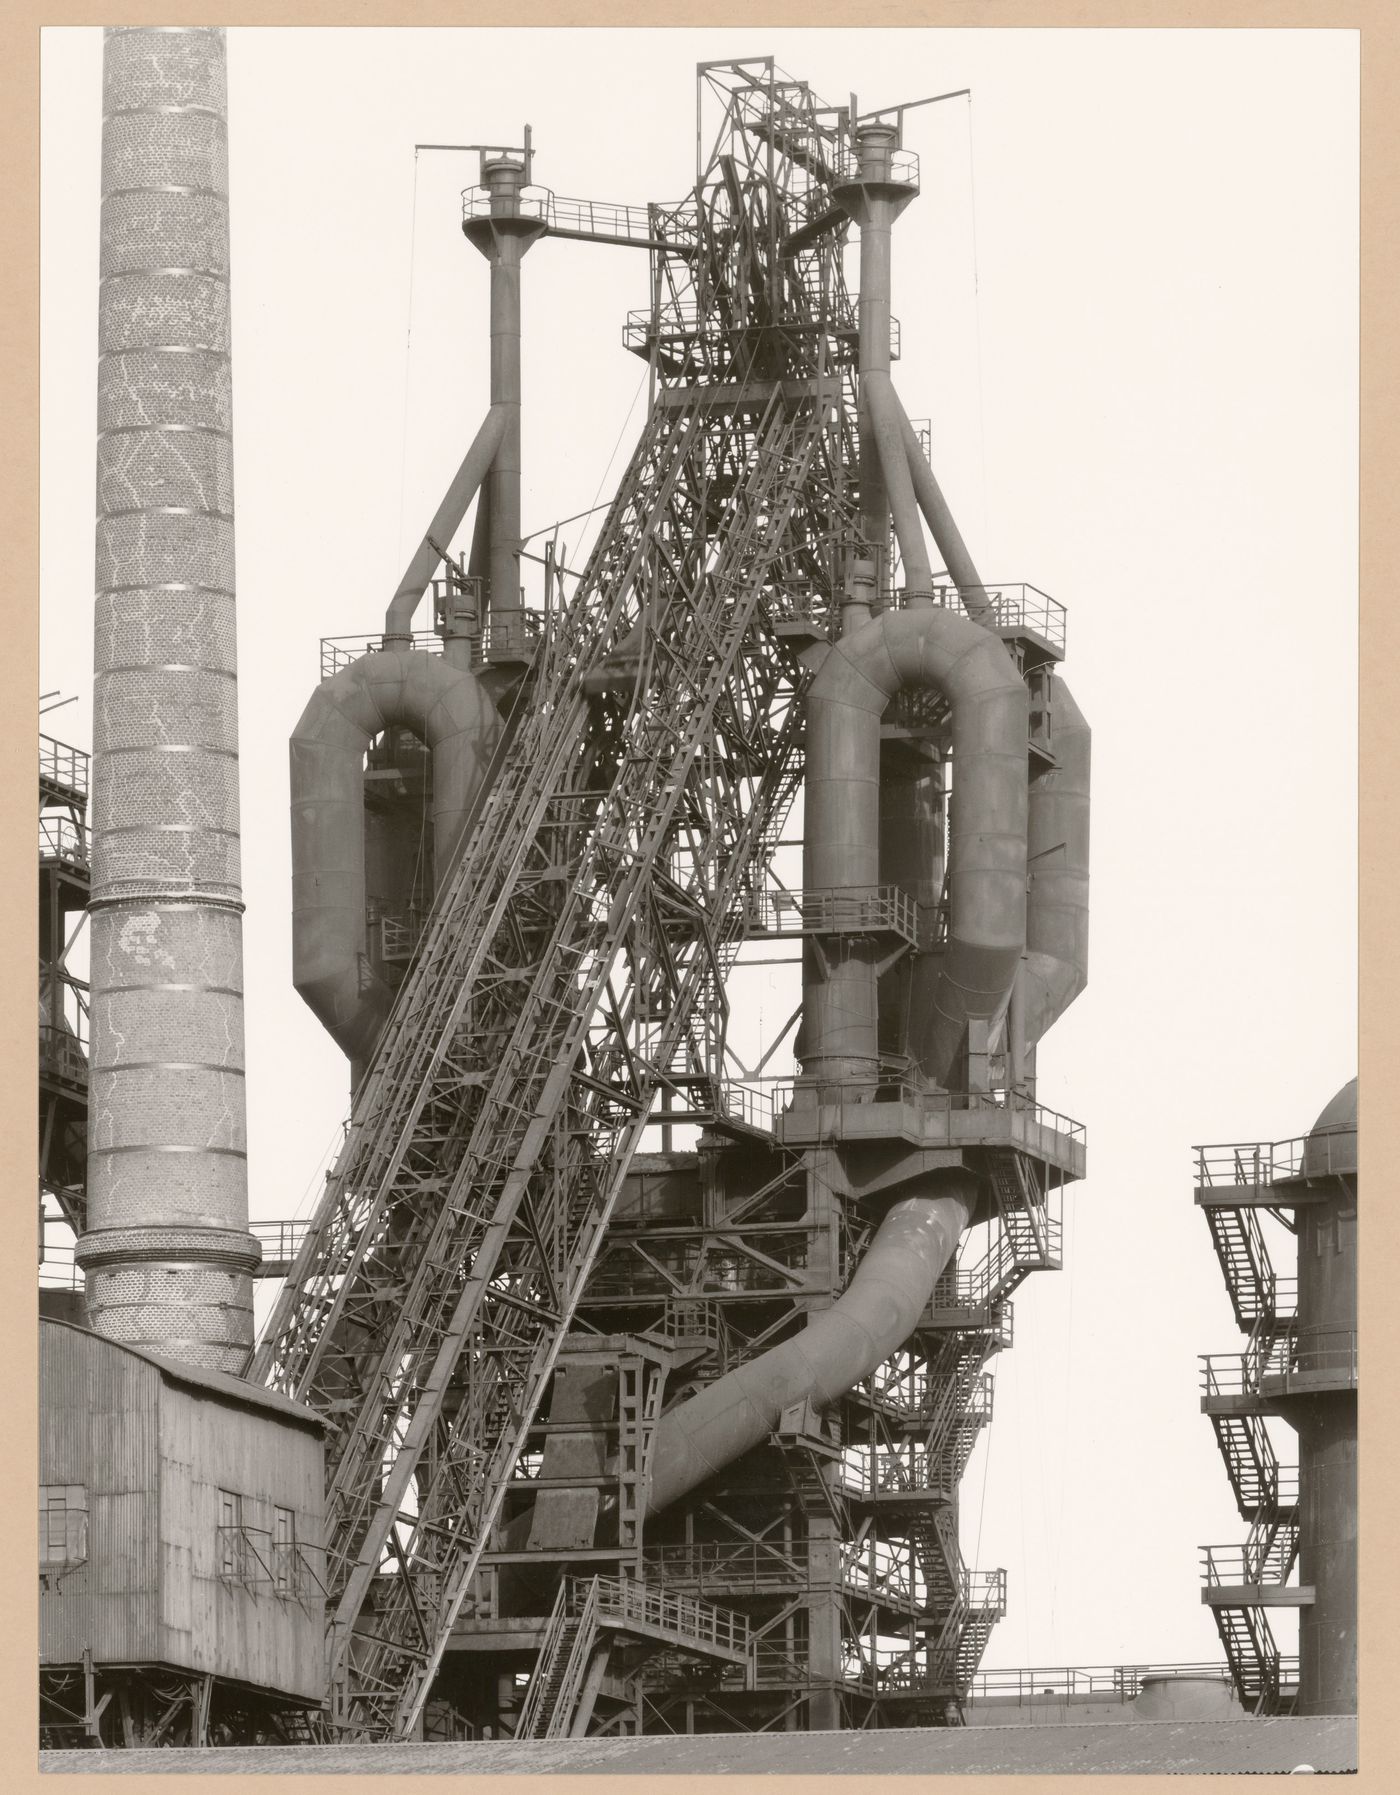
(284,1551)
(230,1534)
(62,1524)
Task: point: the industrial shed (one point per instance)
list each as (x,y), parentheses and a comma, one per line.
(180,1521)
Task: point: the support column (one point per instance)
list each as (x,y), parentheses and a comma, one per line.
(503,238)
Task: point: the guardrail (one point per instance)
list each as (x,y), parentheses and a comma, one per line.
(836,910)
(340,651)
(870,1475)
(1254,1165)
(63,1053)
(895,1088)
(521,629)
(58,1270)
(899,167)
(280,1241)
(1113,1682)
(1230,1567)
(622,1599)
(62,839)
(600,220)
(63,765)
(1296,1356)
(727,1566)
(1014,606)
(750,1104)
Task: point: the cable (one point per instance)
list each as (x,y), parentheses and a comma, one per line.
(977,327)
(407,353)
(595,506)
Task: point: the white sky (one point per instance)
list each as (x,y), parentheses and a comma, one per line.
(1141,369)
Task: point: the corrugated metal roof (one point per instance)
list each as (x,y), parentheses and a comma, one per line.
(217,1383)
(1160,1747)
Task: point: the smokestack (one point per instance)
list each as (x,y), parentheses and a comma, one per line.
(167,1253)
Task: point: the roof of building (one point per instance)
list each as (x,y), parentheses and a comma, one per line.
(1326,1743)
(201,1378)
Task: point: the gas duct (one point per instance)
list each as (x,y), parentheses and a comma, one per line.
(167,1254)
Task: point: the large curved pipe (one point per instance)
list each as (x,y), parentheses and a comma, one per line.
(1056,967)
(877,1313)
(930,647)
(448,708)
(447,520)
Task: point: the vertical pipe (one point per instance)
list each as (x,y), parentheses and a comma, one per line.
(167,1253)
(505,178)
(873,145)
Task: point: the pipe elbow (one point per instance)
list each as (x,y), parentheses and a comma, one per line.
(874,1316)
(448,708)
(931,648)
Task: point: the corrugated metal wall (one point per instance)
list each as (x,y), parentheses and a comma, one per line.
(207,1621)
(98,1426)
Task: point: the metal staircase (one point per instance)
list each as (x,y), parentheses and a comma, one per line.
(1031,1235)
(571,1636)
(1253,1656)
(1244,1259)
(555,980)
(1250,1462)
(1242,1582)
(588,1618)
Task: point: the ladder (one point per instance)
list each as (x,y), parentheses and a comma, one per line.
(495,1125)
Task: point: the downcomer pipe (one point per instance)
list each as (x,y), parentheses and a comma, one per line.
(929,647)
(876,1314)
(886,420)
(447,520)
(946,534)
(167,1254)
(449,709)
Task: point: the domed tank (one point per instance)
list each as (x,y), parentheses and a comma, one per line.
(1207,1696)
(1326,1334)
(1330,1149)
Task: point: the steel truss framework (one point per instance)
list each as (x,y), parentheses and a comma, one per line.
(568,993)
(82,1706)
